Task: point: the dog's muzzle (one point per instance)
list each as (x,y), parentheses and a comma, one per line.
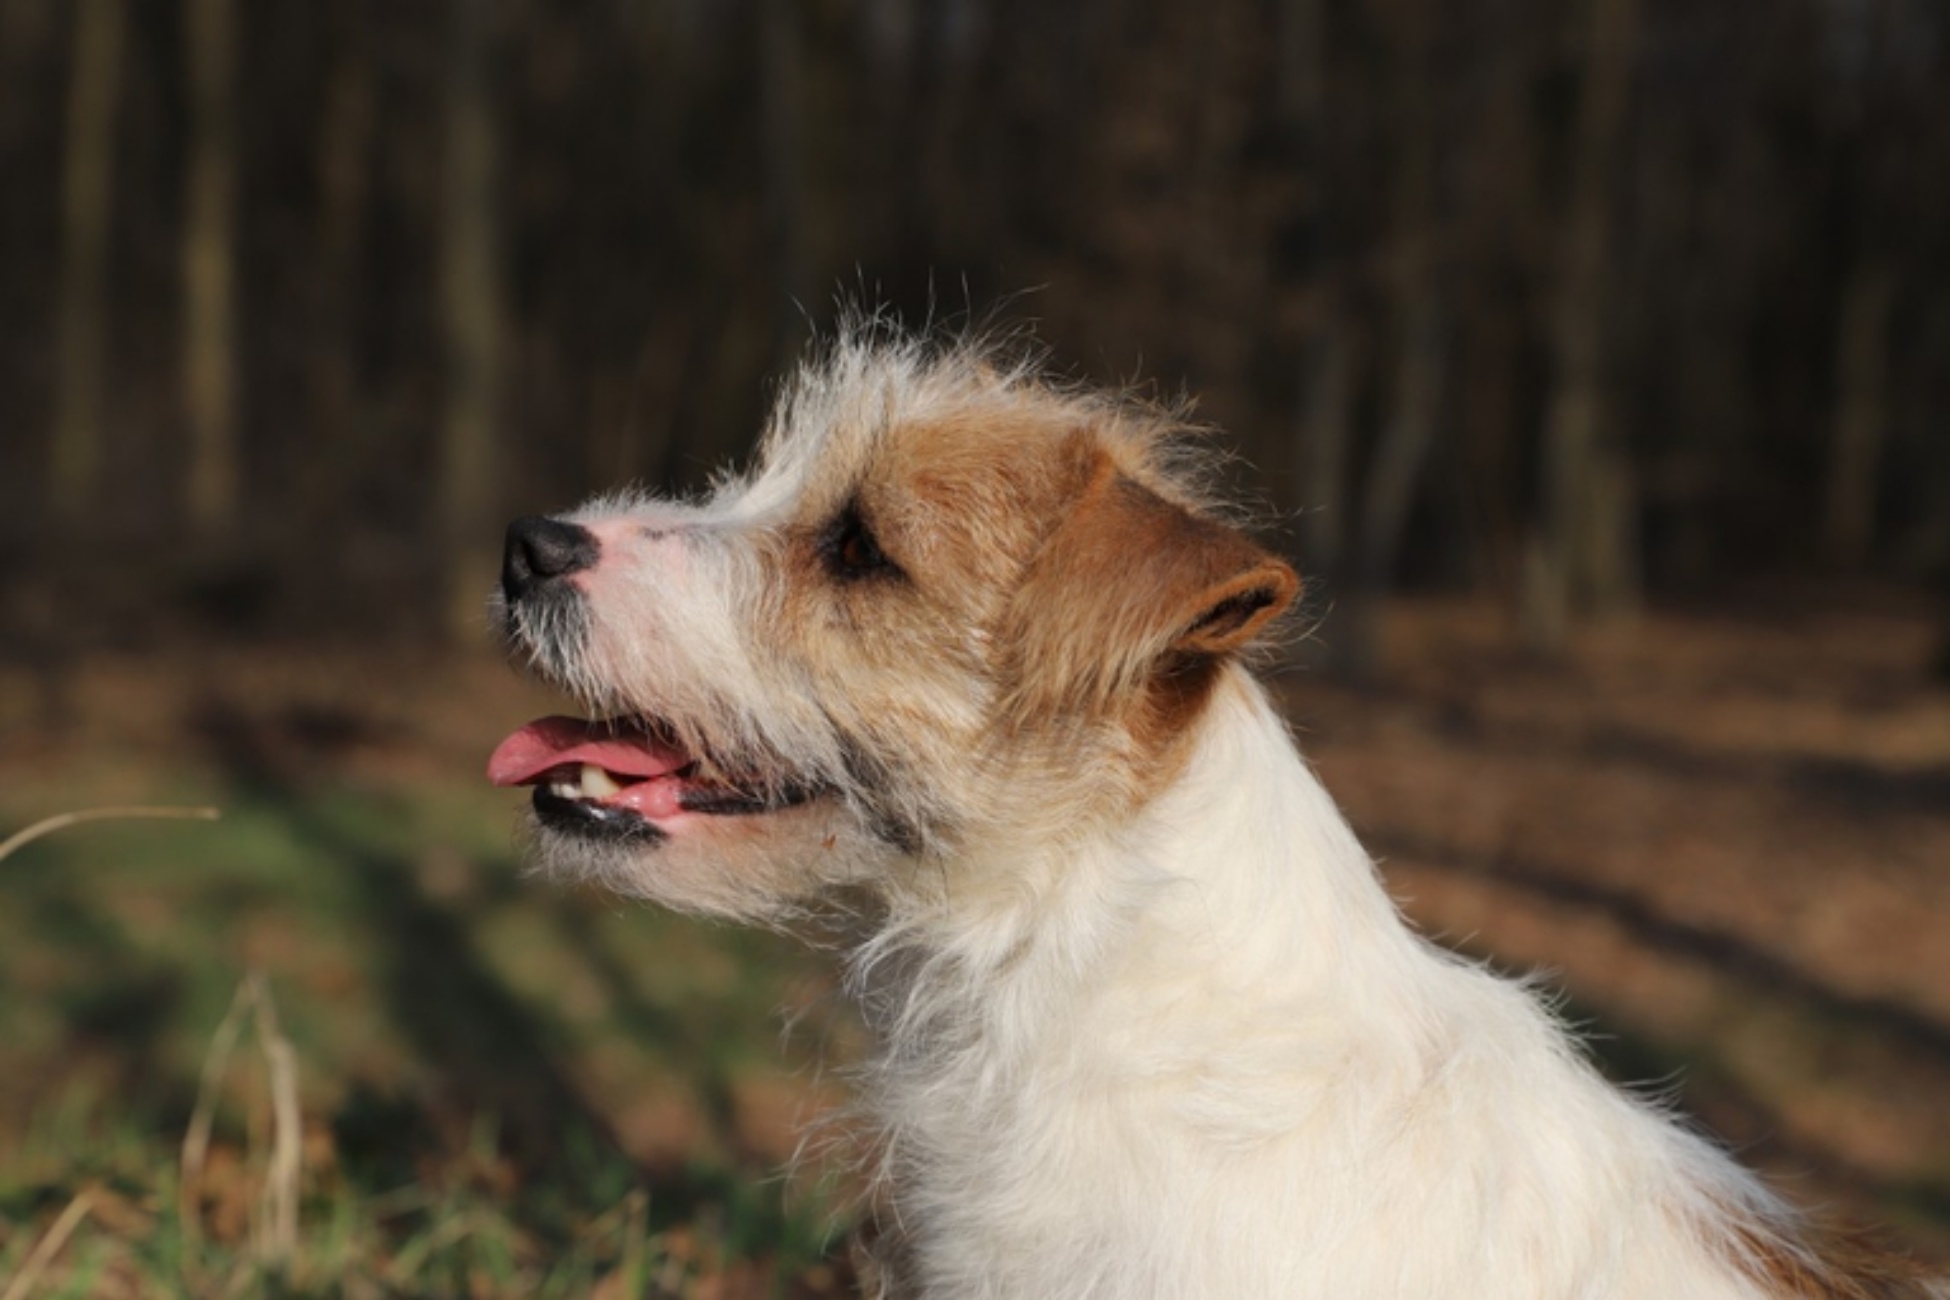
(616,778)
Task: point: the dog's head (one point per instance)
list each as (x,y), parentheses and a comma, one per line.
(953,609)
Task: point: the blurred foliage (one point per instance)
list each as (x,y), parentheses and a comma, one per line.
(1720,230)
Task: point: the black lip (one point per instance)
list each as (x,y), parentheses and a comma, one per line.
(590,820)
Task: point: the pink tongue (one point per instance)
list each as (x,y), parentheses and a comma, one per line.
(554,742)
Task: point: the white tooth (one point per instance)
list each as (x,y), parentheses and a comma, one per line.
(565,789)
(596,783)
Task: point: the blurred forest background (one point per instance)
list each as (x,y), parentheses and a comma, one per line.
(1594,356)
(1565,301)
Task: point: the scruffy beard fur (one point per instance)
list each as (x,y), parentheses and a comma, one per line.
(962,657)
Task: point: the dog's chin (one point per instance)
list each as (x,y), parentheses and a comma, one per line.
(766,866)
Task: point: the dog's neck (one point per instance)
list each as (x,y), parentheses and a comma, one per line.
(1222,980)
(1240,874)
(1232,930)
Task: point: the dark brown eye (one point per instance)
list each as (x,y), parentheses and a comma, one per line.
(850,550)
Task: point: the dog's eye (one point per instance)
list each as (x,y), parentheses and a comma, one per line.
(849,547)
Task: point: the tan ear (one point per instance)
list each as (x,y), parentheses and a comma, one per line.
(1127,580)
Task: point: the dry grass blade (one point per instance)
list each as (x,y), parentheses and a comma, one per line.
(277,1229)
(48,825)
(196,1138)
(280,1236)
(636,1223)
(49,1246)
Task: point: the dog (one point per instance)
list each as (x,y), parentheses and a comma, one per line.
(964,660)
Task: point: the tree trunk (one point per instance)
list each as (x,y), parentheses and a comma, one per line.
(343,163)
(81,329)
(1301,39)
(1328,350)
(470,314)
(1570,568)
(783,103)
(1395,470)
(209,268)
(1861,375)
(1395,474)
(1326,431)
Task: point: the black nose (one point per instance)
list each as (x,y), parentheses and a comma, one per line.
(540,549)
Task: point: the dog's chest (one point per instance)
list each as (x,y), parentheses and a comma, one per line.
(1115,1141)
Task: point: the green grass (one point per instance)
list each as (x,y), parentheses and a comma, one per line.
(462,1230)
(505,1089)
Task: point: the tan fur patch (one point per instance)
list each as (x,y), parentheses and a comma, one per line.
(976,493)
(1038,555)
(1838,1267)
(1131,590)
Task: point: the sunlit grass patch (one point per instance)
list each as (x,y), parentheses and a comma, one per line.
(430,1098)
(257,1201)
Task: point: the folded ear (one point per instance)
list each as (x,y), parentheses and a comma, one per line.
(1130,582)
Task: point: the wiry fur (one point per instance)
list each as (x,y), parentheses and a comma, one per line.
(1148,1024)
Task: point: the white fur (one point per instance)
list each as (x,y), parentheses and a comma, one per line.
(1205,1058)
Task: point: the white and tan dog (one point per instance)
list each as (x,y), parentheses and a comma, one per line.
(961,656)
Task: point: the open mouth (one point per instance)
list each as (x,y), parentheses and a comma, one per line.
(620,778)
